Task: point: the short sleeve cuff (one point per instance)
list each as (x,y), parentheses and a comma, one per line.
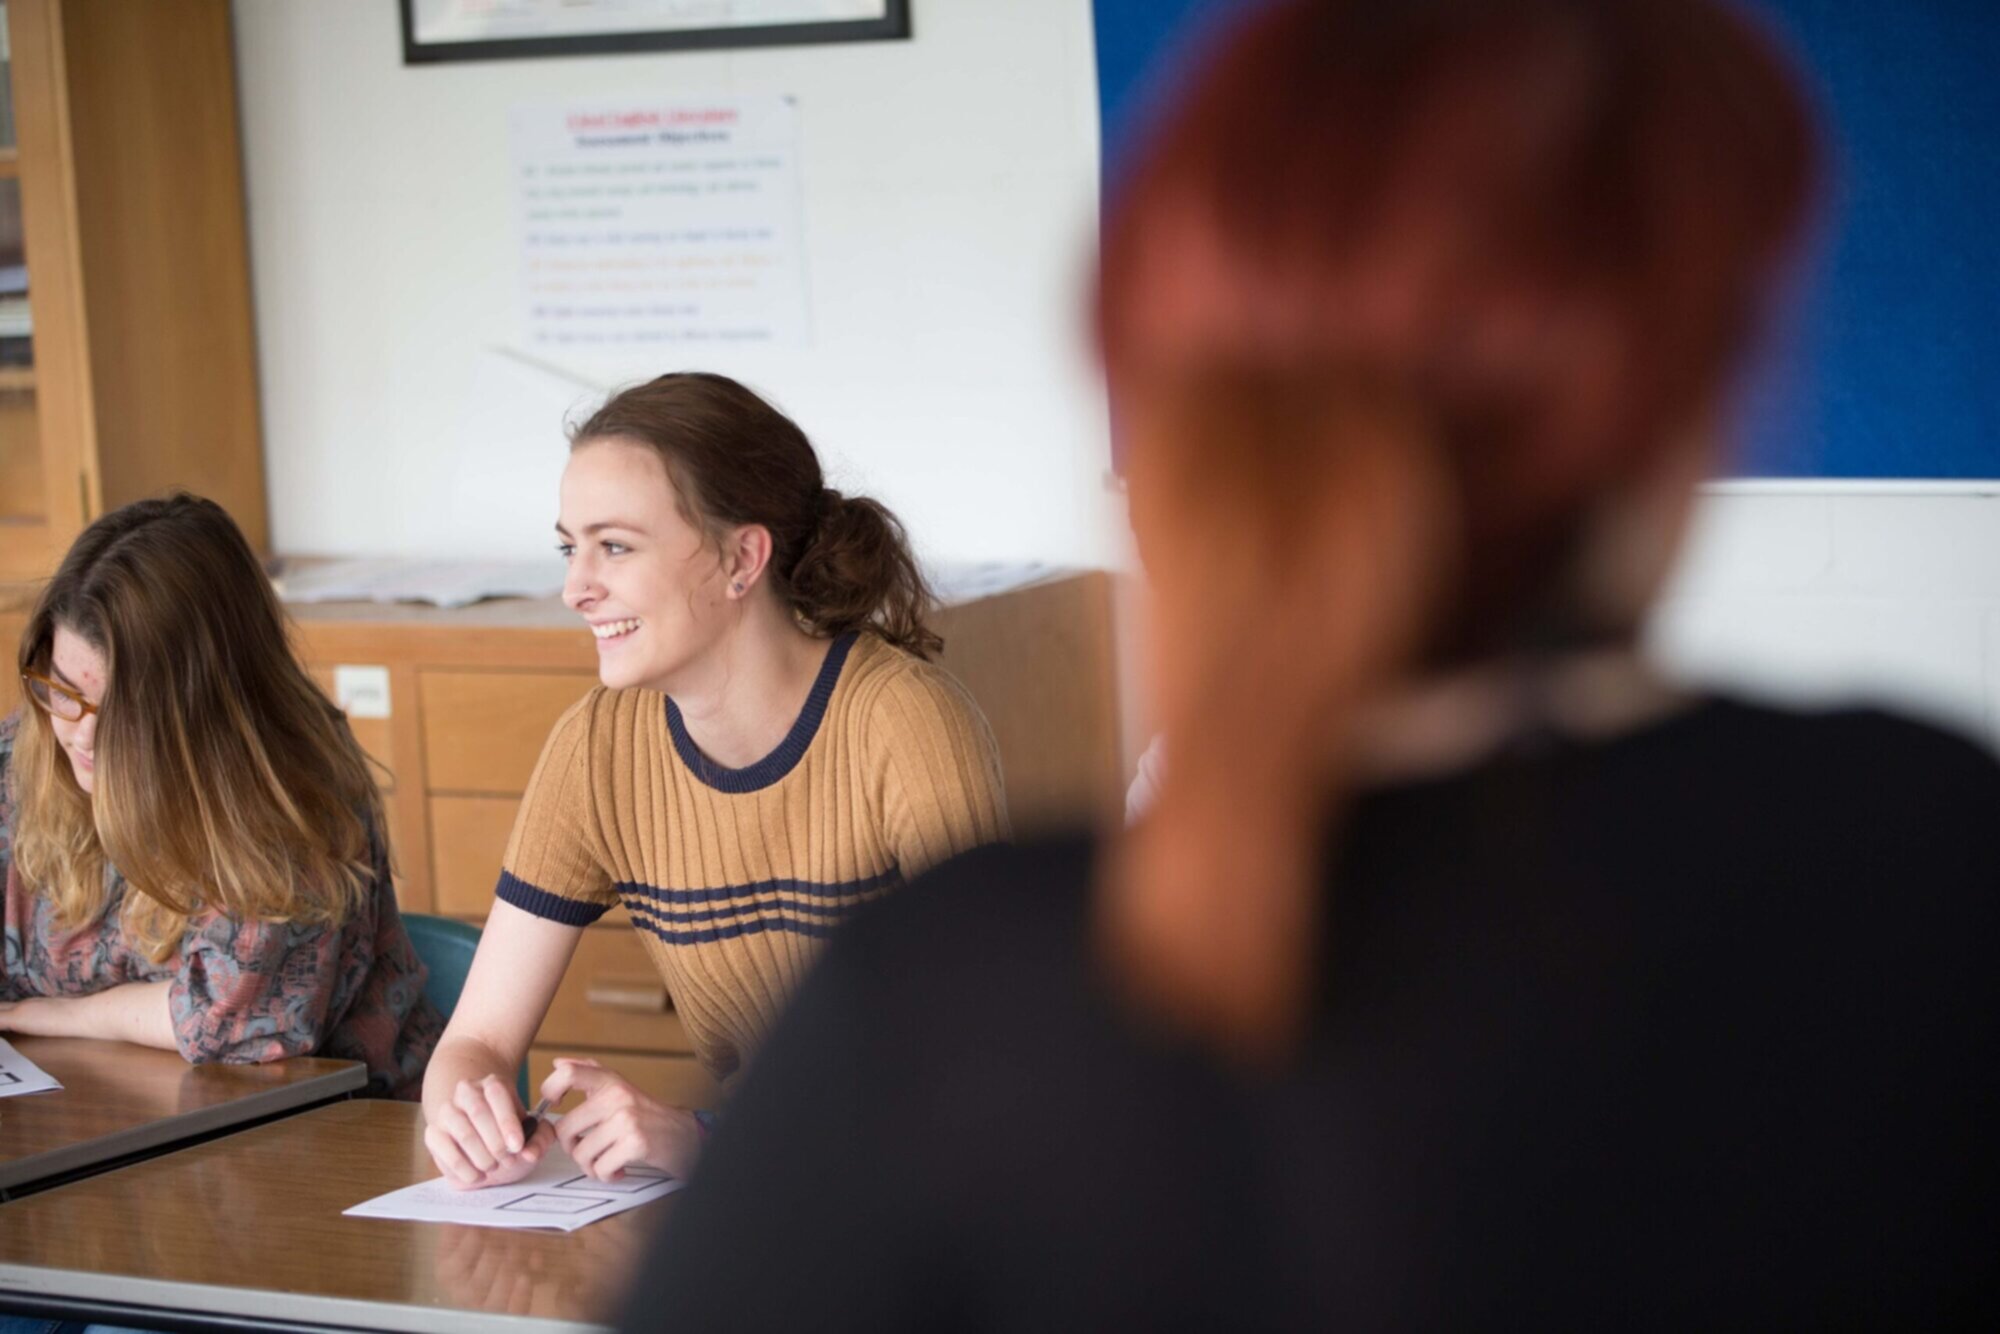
(550,907)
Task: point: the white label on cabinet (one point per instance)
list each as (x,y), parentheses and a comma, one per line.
(361,692)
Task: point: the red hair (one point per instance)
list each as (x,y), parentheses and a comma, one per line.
(1503,255)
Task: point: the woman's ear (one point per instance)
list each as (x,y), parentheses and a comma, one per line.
(746,554)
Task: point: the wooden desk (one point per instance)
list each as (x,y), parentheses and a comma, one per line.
(119,1100)
(249,1226)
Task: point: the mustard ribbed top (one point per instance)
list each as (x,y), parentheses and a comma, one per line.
(736,876)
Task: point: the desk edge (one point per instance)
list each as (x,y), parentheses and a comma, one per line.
(172,1130)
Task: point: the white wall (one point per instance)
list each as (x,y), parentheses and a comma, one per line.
(1814,597)
(1845,594)
(949,189)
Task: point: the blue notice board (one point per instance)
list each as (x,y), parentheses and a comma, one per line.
(1888,364)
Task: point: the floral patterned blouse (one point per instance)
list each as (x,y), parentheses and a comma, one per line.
(242,991)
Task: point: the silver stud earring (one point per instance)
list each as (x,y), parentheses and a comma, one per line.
(737,587)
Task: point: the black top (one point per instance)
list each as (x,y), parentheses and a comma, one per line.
(1689,1028)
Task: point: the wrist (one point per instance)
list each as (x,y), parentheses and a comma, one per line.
(44,1017)
(456,1061)
(685,1140)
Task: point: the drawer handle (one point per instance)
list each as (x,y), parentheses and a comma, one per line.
(633,995)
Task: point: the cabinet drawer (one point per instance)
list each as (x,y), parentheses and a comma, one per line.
(678,1081)
(483,731)
(468,839)
(468,842)
(11,629)
(612,996)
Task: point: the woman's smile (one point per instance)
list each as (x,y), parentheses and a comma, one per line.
(612,633)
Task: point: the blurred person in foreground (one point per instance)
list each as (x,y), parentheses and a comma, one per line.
(1463,973)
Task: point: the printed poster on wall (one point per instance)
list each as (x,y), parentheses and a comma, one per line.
(647,223)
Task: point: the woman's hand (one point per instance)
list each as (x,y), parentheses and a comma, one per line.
(38,1017)
(476,1139)
(616,1126)
(469,1105)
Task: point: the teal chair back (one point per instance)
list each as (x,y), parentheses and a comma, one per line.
(446,945)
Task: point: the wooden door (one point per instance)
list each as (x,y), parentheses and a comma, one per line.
(47,484)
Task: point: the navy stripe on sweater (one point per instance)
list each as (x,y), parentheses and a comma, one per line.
(751,927)
(788,902)
(689,916)
(805,889)
(765,772)
(551,907)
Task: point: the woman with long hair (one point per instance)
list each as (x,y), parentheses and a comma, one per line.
(1463,972)
(192,839)
(770,749)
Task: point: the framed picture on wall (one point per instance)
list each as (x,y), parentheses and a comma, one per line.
(439,30)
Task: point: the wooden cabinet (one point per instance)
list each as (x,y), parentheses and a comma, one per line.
(468,836)
(122,192)
(14,605)
(474,692)
(483,731)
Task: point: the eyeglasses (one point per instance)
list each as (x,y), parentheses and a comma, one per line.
(56,698)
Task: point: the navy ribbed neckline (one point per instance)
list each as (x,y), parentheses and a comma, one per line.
(763,773)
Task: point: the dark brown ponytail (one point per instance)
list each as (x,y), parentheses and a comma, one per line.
(858,571)
(840,562)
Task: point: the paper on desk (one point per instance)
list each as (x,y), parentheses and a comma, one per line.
(555,1195)
(18,1074)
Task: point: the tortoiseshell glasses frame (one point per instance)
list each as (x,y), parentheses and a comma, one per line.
(56,698)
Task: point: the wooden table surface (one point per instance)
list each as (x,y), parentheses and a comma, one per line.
(250,1225)
(117,1099)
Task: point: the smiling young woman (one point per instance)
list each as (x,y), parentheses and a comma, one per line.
(770,749)
(190,836)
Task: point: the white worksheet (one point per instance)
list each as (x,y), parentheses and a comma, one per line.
(555,1195)
(18,1074)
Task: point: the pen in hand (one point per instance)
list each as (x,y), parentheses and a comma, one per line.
(533,1119)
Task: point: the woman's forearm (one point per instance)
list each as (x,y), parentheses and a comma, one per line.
(135,1012)
(460,1059)
(132,1012)
(514,976)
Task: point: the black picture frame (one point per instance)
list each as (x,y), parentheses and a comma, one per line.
(894,25)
